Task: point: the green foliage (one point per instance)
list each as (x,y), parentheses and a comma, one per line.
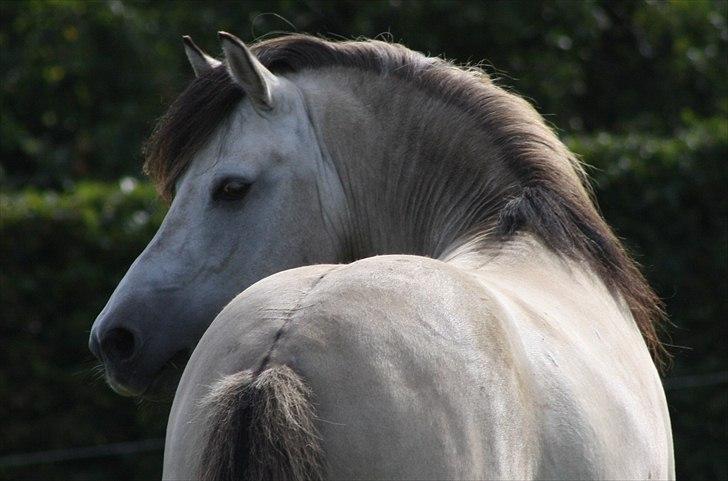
(640,87)
(63,254)
(82,82)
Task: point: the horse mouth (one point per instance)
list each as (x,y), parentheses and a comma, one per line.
(162,385)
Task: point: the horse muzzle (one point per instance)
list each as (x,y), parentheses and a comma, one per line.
(133,371)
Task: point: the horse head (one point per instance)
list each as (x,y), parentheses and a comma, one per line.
(248,204)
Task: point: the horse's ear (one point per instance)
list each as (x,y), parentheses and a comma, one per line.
(200,61)
(257,81)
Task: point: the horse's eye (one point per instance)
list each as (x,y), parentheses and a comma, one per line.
(231,189)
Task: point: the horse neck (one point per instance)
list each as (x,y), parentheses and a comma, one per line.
(418,175)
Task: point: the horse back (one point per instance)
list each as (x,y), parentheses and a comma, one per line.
(416,369)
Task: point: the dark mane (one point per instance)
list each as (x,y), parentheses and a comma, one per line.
(552,199)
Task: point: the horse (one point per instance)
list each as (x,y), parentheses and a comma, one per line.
(427,289)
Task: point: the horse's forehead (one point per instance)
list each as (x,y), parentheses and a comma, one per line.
(237,144)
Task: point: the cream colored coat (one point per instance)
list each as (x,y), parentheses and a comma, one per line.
(507,365)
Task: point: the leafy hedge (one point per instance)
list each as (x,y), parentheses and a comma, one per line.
(64,253)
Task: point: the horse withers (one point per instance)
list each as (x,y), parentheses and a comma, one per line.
(509,334)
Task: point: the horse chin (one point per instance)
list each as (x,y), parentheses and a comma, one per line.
(162,385)
(121,389)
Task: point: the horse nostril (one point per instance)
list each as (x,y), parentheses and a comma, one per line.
(118,344)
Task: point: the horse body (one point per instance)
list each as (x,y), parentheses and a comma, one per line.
(511,341)
(423,369)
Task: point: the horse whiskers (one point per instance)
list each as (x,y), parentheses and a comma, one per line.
(98,372)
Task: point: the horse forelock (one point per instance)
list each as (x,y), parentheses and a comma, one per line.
(549,198)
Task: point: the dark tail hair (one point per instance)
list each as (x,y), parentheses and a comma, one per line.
(261,427)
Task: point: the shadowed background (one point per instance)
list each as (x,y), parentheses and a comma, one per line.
(638,89)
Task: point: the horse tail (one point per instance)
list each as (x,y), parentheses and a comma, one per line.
(261,427)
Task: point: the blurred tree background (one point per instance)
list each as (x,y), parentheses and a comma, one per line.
(638,89)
